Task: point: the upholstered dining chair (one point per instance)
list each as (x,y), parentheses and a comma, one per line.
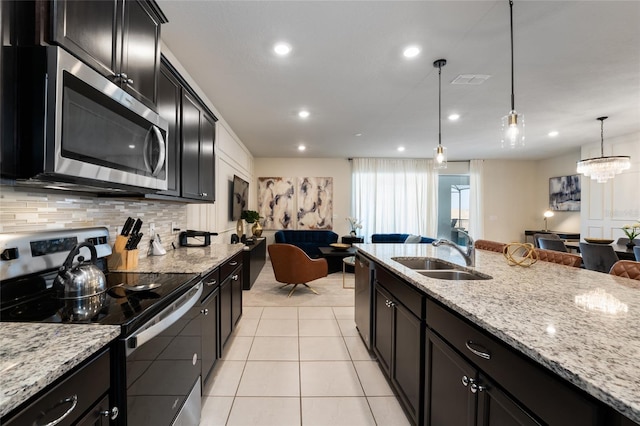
(536,237)
(559,257)
(552,244)
(291,265)
(627,269)
(490,245)
(598,257)
(636,252)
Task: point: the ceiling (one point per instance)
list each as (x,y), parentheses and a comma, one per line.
(574,61)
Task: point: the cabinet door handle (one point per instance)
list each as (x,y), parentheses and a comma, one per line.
(203,194)
(204,311)
(477,388)
(466,381)
(235,277)
(73,400)
(113,414)
(477,349)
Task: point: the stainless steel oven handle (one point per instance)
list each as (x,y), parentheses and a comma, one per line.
(178,308)
(161,147)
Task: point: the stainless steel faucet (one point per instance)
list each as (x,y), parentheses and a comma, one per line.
(469,256)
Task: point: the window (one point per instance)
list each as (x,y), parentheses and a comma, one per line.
(453,207)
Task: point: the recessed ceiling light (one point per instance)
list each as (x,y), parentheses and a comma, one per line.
(303,114)
(301,147)
(132,146)
(400,148)
(411,52)
(553,134)
(454,117)
(358,134)
(282,49)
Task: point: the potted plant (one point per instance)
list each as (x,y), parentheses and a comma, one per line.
(252,216)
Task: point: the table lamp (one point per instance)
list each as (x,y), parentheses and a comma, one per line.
(547,215)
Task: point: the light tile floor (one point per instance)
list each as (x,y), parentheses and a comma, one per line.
(298,366)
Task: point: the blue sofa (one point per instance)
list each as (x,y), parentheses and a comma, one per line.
(396,238)
(308,241)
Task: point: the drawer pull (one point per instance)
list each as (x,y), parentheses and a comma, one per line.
(234,263)
(477,349)
(73,400)
(212,282)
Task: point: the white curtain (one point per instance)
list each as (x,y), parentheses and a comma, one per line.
(476,210)
(395,195)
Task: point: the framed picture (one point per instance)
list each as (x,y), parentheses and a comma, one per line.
(564,193)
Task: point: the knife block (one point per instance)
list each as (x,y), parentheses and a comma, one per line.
(121,259)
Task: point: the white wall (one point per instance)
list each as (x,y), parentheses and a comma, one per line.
(510,205)
(608,206)
(337,168)
(564,165)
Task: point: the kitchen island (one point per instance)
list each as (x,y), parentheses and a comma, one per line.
(33,356)
(580,325)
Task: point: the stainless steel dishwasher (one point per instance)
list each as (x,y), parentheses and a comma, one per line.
(364,298)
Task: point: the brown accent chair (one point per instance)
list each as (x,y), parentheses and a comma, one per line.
(291,265)
(559,257)
(627,269)
(490,245)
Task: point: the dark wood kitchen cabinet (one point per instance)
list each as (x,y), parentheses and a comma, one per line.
(399,338)
(499,386)
(81,396)
(169,97)
(230,296)
(120,39)
(198,139)
(210,311)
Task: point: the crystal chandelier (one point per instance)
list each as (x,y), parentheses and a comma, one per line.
(440,152)
(603,168)
(512,123)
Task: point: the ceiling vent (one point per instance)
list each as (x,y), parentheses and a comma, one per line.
(473,79)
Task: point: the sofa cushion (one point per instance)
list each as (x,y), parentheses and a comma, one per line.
(413,239)
(308,240)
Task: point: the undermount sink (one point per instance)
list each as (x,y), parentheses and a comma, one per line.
(423,263)
(454,275)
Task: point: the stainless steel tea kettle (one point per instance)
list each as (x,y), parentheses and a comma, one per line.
(82,286)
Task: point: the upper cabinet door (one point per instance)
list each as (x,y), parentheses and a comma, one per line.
(141,51)
(169,108)
(89,29)
(119,38)
(207,158)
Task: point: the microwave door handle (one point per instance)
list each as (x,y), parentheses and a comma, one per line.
(161,147)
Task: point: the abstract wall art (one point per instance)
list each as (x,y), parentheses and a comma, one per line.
(295,203)
(564,193)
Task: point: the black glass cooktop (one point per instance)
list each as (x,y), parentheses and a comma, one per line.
(127,303)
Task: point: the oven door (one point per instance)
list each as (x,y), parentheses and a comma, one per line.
(163,365)
(96,131)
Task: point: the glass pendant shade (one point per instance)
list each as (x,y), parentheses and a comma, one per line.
(513,130)
(440,157)
(603,168)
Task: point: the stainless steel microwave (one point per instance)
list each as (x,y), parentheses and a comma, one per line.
(78,130)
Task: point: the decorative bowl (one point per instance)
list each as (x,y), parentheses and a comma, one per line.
(598,240)
(340,246)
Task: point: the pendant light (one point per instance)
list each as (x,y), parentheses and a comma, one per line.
(512,123)
(440,152)
(603,168)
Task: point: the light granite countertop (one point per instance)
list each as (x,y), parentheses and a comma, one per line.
(551,313)
(198,260)
(33,356)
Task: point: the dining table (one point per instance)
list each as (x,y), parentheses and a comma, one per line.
(623,252)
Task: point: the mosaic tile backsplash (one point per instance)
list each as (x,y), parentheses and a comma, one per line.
(27,210)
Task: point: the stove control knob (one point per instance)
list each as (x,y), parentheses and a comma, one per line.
(10,254)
